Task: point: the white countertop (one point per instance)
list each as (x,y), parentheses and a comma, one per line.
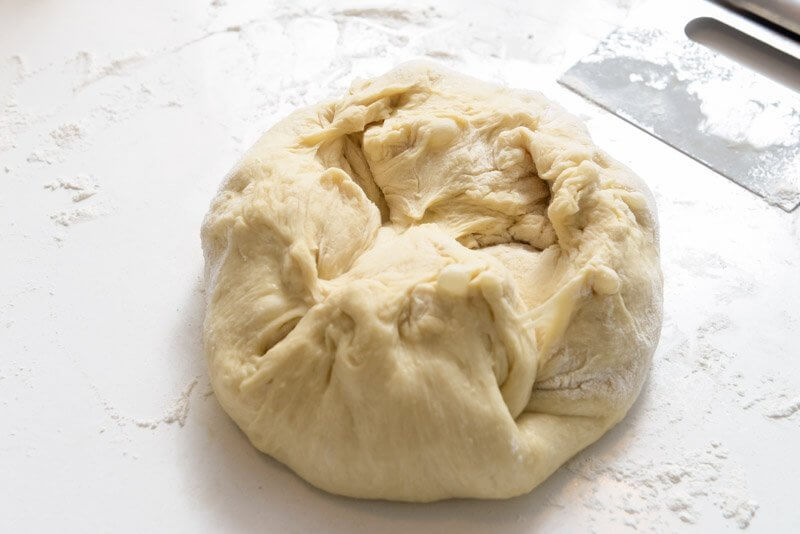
(118,120)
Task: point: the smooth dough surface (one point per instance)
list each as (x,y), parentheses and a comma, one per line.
(432,287)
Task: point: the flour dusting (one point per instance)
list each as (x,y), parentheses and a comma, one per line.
(177,413)
(78,215)
(66,135)
(650,494)
(94,73)
(770,121)
(789,409)
(82,187)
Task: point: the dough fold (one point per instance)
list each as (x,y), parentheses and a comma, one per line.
(432,287)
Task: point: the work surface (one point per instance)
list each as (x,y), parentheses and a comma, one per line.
(118,121)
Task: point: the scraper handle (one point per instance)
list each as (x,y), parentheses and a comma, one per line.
(783,13)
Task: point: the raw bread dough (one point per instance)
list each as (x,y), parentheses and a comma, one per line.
(432,287)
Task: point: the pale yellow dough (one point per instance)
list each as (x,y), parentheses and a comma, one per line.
(432,287)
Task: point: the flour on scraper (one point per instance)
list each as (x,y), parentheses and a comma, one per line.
(432,287)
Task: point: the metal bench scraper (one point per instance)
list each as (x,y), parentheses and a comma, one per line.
(654,73)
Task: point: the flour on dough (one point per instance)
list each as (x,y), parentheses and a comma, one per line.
(432,287)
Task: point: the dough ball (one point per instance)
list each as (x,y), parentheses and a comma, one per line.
(431,287)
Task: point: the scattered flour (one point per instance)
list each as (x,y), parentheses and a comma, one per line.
(771,121)
(392,17)
(83,195)
(13,118)
(58,144)
(784,411)
(650,494)
(177,413)
(78,215)
(652,80)
(13,121)
(113,68)
(83,186)
(37,156)
(66,135)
